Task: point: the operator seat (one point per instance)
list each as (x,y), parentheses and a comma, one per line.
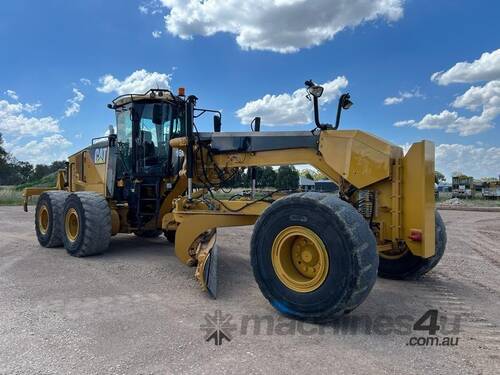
(149,148)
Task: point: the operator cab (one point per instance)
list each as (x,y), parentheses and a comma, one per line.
(144,126)
(146,166)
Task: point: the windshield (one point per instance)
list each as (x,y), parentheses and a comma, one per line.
(143,134)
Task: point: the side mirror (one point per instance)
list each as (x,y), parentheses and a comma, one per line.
(344,103)
(157,114)
(217,124)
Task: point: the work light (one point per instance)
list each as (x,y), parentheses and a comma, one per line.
(315,91)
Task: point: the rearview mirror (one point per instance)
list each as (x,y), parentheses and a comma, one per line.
(157,114)
(217,124)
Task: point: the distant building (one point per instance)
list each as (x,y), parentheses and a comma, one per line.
(491,189)
(305,184)
(325,186)
(444,187)
(462,186)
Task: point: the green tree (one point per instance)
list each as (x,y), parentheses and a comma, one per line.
(439,177)
(237,180)
(287,178)
(268,177)
(3,156)
(15,172)
(24,171)
(307,173)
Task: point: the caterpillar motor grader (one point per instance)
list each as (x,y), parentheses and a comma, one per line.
(314,256)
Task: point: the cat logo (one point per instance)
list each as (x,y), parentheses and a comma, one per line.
(100,155)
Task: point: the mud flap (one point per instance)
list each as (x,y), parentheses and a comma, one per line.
(206,270)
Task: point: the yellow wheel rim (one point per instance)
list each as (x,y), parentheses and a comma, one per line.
(300,259)
(72,224)
(43,219)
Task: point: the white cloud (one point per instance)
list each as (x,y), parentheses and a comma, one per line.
(138,82)
(74,103)
(85,81)
(486,68)
(150,7)
(281,25)
(15,120)
(403,96)
(43,151)
(12,94)
(156,34)
(486,98)
(469,159)
(451,122)
(288,109)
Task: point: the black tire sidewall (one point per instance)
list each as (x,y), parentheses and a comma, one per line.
(170,235)
(336,288)
(44,200)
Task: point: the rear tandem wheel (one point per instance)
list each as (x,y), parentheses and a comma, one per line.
(48,223)
(87,224)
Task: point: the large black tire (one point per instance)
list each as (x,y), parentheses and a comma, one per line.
(170,235)
(349,243)
(411,267)
(93,233)
(153,233)
(50,207)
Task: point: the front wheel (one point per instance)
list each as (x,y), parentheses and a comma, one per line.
(313,256)
(407,266)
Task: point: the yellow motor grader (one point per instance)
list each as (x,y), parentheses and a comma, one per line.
(315,256)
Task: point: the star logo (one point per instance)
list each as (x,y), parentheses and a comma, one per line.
(218,327)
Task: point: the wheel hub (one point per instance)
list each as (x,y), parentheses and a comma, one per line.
(300,259)
(72,224)
(43,219)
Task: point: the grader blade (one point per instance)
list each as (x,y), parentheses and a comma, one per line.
(206,270)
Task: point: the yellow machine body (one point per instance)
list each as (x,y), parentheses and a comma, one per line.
(403,185)
(404,188)
(393,192)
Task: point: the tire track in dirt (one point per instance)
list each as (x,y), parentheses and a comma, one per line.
(473,325)
(480,243)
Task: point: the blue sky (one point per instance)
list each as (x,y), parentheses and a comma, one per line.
(231,54)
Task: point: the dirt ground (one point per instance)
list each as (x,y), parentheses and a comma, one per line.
(137,310)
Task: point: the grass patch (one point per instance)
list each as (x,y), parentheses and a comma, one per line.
(13,195)
(46,181)
(9,196)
